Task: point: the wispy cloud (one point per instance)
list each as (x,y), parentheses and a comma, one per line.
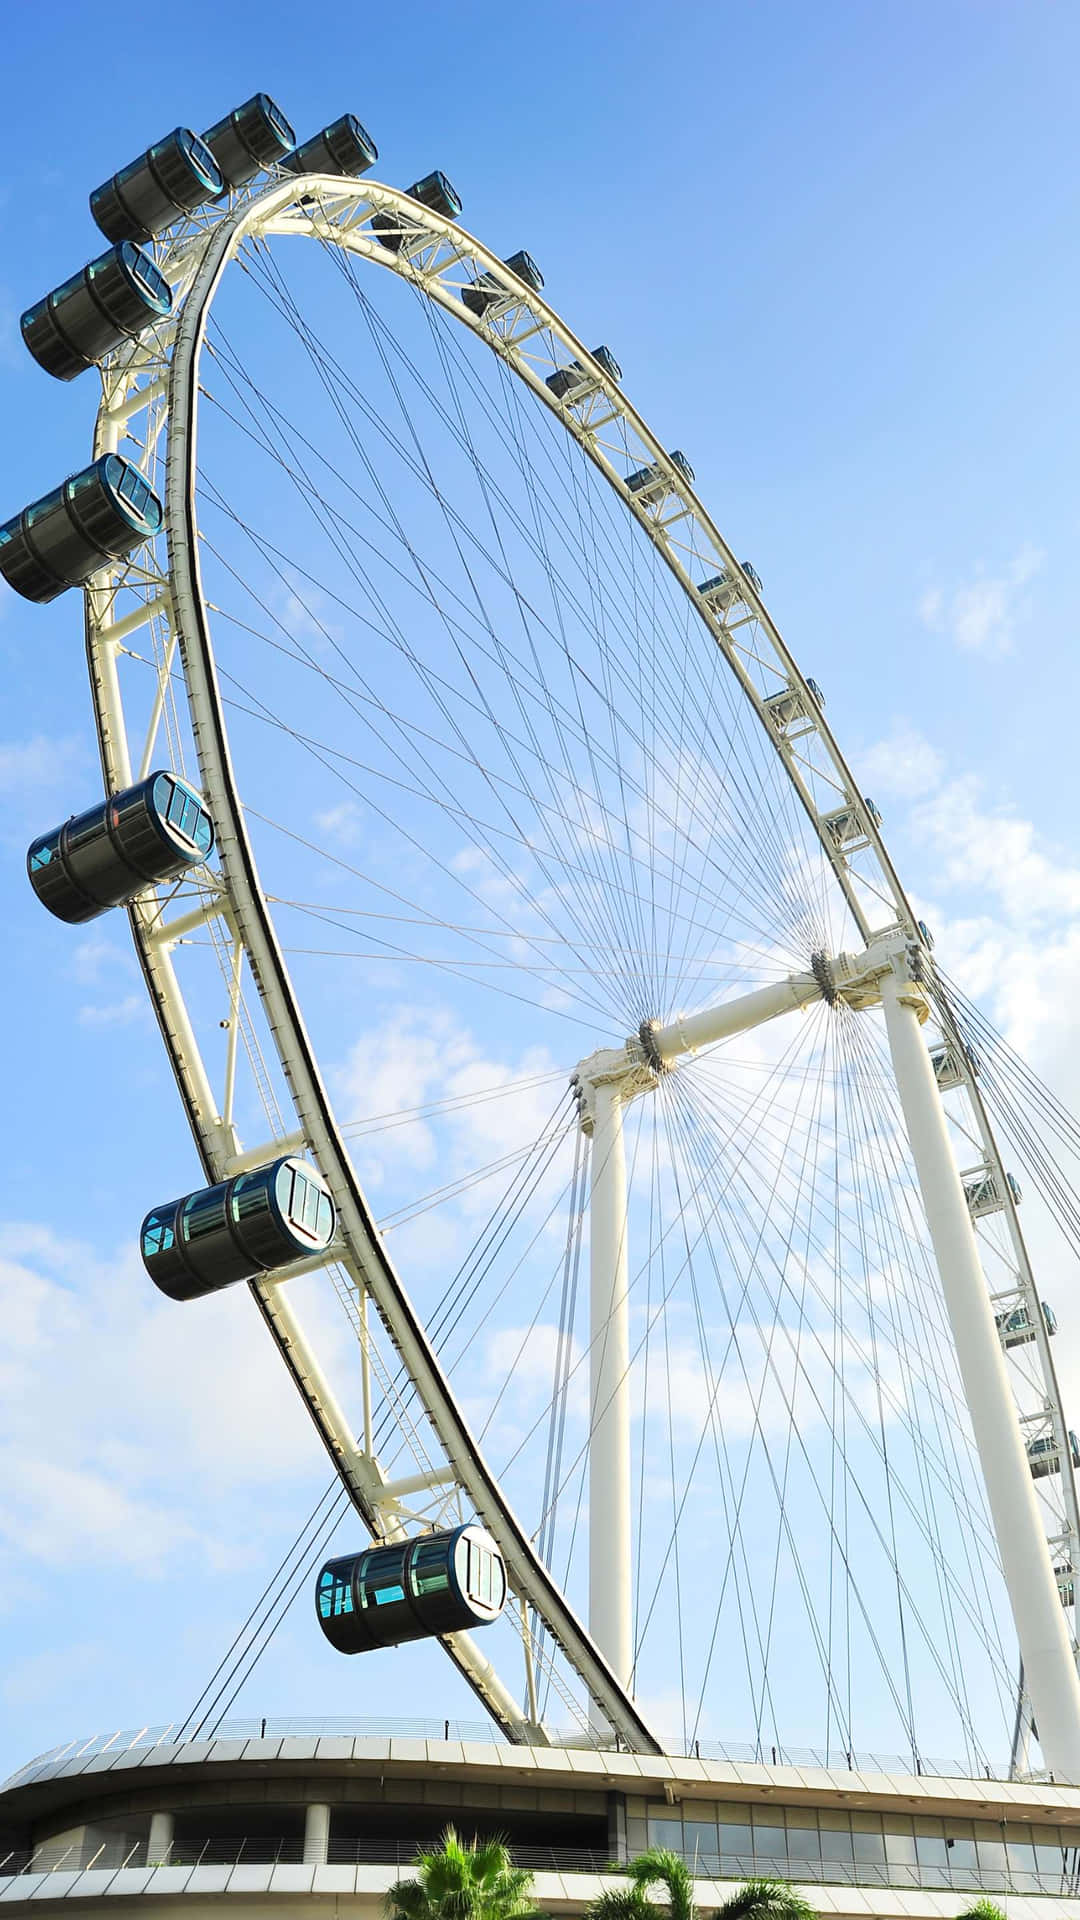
(37,762)
(905,764)
(982,614)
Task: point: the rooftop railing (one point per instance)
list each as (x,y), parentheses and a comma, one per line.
(974,1766)
(114,1855)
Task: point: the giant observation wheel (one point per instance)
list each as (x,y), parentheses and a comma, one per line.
(442,570)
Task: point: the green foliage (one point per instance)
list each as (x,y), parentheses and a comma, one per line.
(982,1910)
(766,1900)
(757,1900)
(463,1880)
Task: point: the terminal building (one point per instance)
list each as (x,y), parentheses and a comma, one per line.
(310,1819)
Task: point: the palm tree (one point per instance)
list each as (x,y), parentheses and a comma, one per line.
(981,1910)
(756,1900)
(766,1900)
(657,1866)
(463,1880)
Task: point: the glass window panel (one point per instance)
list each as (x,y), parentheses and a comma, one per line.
(735,1839)
(803,1843)
(960,1854)
(992,1854)
(430,1569)
(930,1850)
(311,1207)
(900,1849)
(699,1838)
(204,1214)
(868,1846)
(665,1833)
(1048,1858)
(1020,1855)
(158,1237)
(835,1844)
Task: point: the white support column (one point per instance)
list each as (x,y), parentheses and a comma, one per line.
(1049,1667)
(159,1844)
(610,1622)
(316,1834)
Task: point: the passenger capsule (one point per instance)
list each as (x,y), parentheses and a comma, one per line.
(102,858)
(652,482)
(115,298)
(266,1218)
(344,147)
(433,191)
(98,515)
(249,139)
(576,381)
(171,178)
(1043,1455)
(436,1583)
(489,294)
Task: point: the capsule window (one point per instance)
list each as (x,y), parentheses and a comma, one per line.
(248,1196)
(480,1576)
(335,1594)
(202,1213)
(430,1569)
(158,1235)
(183,811)
(134,489)
(48,850)
(380,1578)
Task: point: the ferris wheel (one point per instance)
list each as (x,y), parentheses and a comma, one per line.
(504,897)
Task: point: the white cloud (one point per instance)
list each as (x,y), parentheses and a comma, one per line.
(905,764)
(118,1013)
(342,824)
(982,614)
(37,762)
(105,1386)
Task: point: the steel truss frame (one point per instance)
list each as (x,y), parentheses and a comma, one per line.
(150,396)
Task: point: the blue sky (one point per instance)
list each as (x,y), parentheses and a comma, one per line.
(834,253)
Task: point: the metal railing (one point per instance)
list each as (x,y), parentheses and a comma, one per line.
(115,1854)
(972,1767)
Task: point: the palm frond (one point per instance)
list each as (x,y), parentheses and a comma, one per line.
(766,1900)
(623,1903)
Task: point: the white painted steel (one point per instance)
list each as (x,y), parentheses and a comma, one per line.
(610,1620)
(530,339)
(1049,1663)
(691,1031)
(368,1260)
(316,1834)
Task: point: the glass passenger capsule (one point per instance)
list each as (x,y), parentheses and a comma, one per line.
(250,138)
(576,381)
(436,1583)
(433,191)
(100,514)
(790,705)
(490,293)
(948,1070)
(344,147)
(1016,1327)
(171,178)
(114,298)
(268,1217)
(1043,1455)
(651,482)
(102,858)
(722,590)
